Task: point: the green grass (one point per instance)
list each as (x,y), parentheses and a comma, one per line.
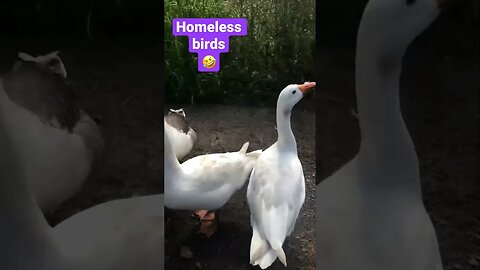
(277,51)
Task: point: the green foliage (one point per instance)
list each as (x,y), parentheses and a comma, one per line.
(277,51)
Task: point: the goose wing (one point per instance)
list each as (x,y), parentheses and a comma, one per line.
(216,170)
(275,195)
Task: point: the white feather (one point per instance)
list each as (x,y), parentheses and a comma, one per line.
(207,181)
(276,191)
(182,143)
(55,161)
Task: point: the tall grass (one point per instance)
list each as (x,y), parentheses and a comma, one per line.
(277,51)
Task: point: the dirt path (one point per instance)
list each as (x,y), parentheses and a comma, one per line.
(225,128)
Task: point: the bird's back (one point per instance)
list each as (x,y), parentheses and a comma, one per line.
(121,234)
(208,181)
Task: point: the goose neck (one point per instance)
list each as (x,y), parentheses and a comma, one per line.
(286,139)
(23,228)
(386,145)
(171,160)
(171,163)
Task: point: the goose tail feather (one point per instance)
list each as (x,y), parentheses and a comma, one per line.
(244,148)
(281,256)
(267,259)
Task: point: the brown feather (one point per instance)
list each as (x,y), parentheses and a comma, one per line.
(177,121)
(43,93)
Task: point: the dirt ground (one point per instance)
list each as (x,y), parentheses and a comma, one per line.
(226,128)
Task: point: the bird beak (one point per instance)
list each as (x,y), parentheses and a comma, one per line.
(304,88)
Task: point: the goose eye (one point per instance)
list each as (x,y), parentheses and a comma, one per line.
(294,91)
(410,2)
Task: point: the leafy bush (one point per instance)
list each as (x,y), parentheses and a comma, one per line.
(277,51)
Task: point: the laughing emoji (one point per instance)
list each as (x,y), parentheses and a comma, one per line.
(209,61)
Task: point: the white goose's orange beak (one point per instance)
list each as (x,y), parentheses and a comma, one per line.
(305,87)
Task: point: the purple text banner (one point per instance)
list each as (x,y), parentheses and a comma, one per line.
(208,37)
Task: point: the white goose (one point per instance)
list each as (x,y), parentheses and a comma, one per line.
(370,214)
(276,190)
(206,181)
(183,136)
(57,142)
(118,235)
